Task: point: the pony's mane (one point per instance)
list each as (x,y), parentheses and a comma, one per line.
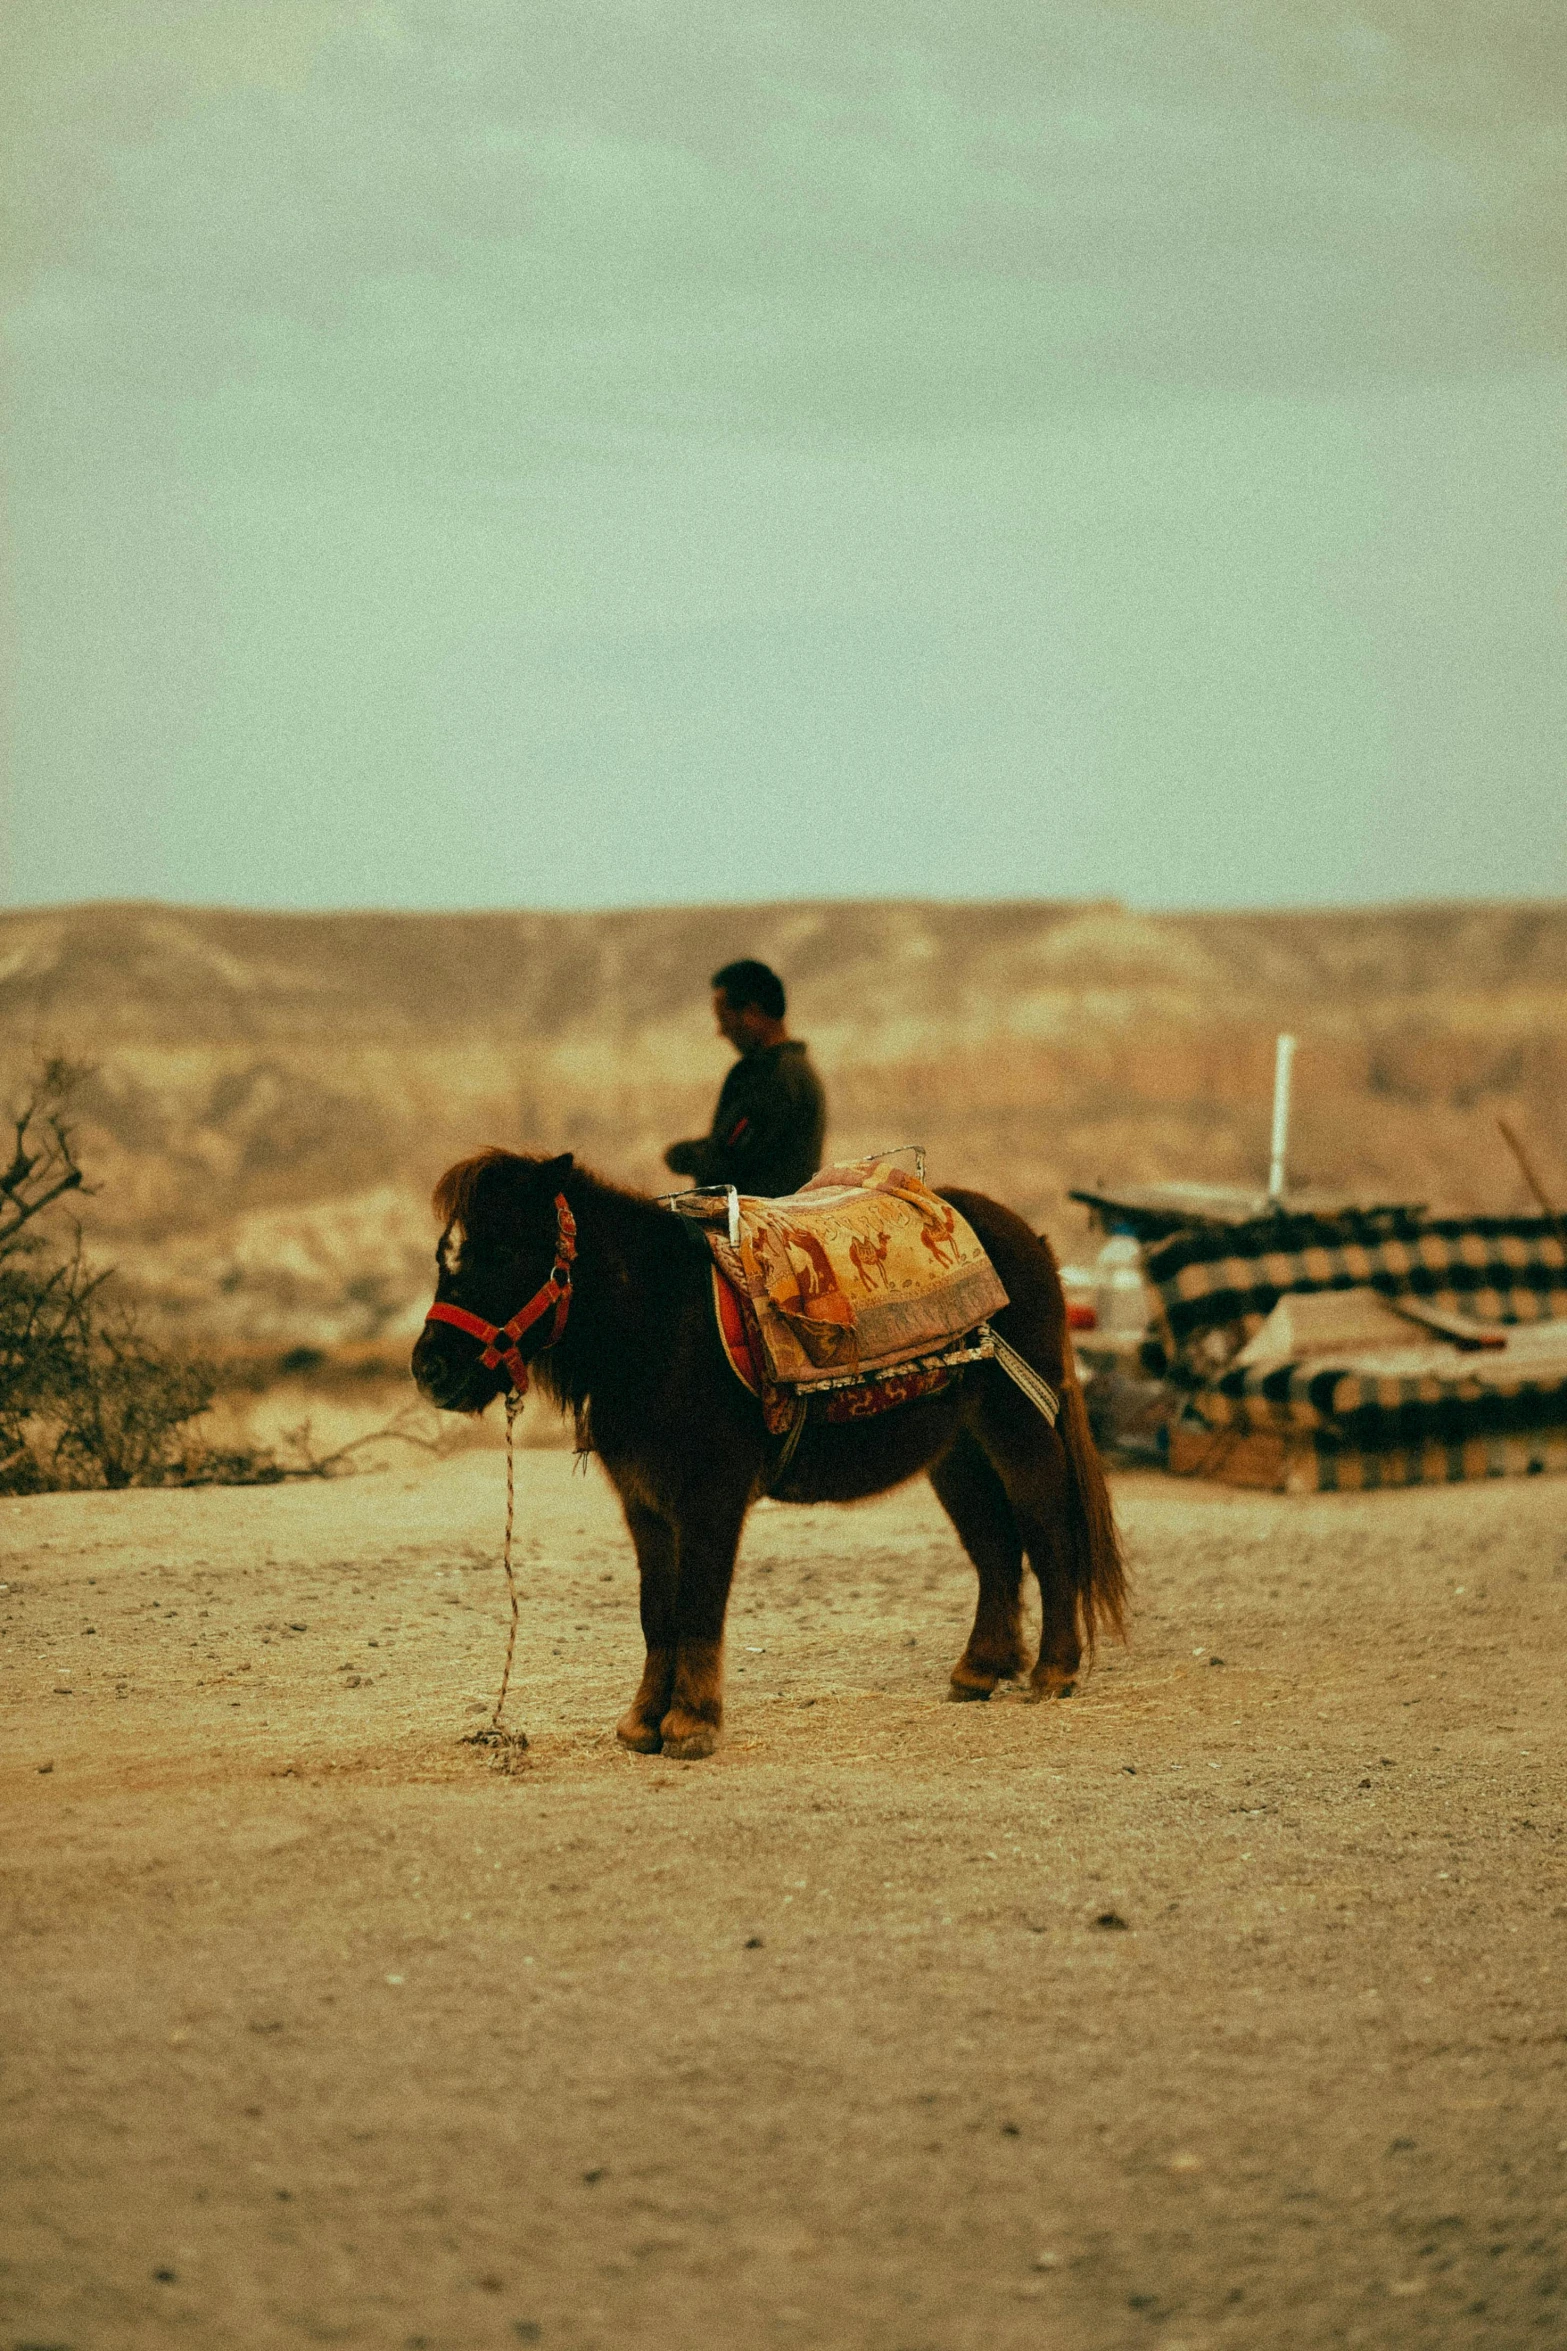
(452,1198)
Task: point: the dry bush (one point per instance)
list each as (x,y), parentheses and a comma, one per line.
(87,1396)
(124,1405)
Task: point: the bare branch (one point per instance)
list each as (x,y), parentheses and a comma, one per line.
(23,1211)
(21,1166)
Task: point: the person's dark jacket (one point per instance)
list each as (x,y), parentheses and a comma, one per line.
(768,1128)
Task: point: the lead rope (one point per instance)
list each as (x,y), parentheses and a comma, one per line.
(493,1734)
(513,1407)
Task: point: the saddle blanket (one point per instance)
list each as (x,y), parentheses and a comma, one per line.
(862,1272)
(846,1399)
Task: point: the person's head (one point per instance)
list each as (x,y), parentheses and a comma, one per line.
(748,1004)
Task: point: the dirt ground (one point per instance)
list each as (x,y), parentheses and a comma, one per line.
(1224,2005)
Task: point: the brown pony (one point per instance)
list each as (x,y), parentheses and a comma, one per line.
(684,1444)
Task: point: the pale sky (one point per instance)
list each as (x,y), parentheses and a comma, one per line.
(471,453)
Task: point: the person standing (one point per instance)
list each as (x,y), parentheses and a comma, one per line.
(771,1120)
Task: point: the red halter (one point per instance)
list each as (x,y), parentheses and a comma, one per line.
(556,1292)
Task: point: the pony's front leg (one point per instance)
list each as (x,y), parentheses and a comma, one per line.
(654,1537)
(709,1537)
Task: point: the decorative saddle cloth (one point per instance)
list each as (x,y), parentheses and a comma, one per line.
(863,1287)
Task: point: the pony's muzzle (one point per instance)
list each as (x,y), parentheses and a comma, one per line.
(451,1376)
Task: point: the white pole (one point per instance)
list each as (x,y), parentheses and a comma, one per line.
(1284,1056)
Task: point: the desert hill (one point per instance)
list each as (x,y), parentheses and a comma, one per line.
(273,1094)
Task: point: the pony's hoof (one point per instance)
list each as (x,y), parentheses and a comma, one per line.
(687,1738)
(643,1738)
(964,1693)
(1052,1685)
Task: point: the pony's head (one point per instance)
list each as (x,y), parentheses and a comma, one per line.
(500,1233)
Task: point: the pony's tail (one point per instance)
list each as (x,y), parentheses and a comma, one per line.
(1098,1571)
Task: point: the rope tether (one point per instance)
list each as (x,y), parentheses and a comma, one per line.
(493,1734)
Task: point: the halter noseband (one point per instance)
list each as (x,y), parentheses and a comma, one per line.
(556,1292)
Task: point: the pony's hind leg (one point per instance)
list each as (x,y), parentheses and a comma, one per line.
(638,1728)
(1030,1464)
(1060,1638)
(974,1498)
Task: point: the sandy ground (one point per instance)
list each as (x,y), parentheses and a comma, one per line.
(320,2029)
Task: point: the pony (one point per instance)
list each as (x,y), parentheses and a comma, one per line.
(632,1350)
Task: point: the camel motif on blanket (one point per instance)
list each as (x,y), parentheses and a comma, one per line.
(809,1294)
(940,1238)
(869,1259)
(810,1289)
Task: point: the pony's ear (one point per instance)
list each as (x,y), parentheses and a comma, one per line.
(558,1169)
